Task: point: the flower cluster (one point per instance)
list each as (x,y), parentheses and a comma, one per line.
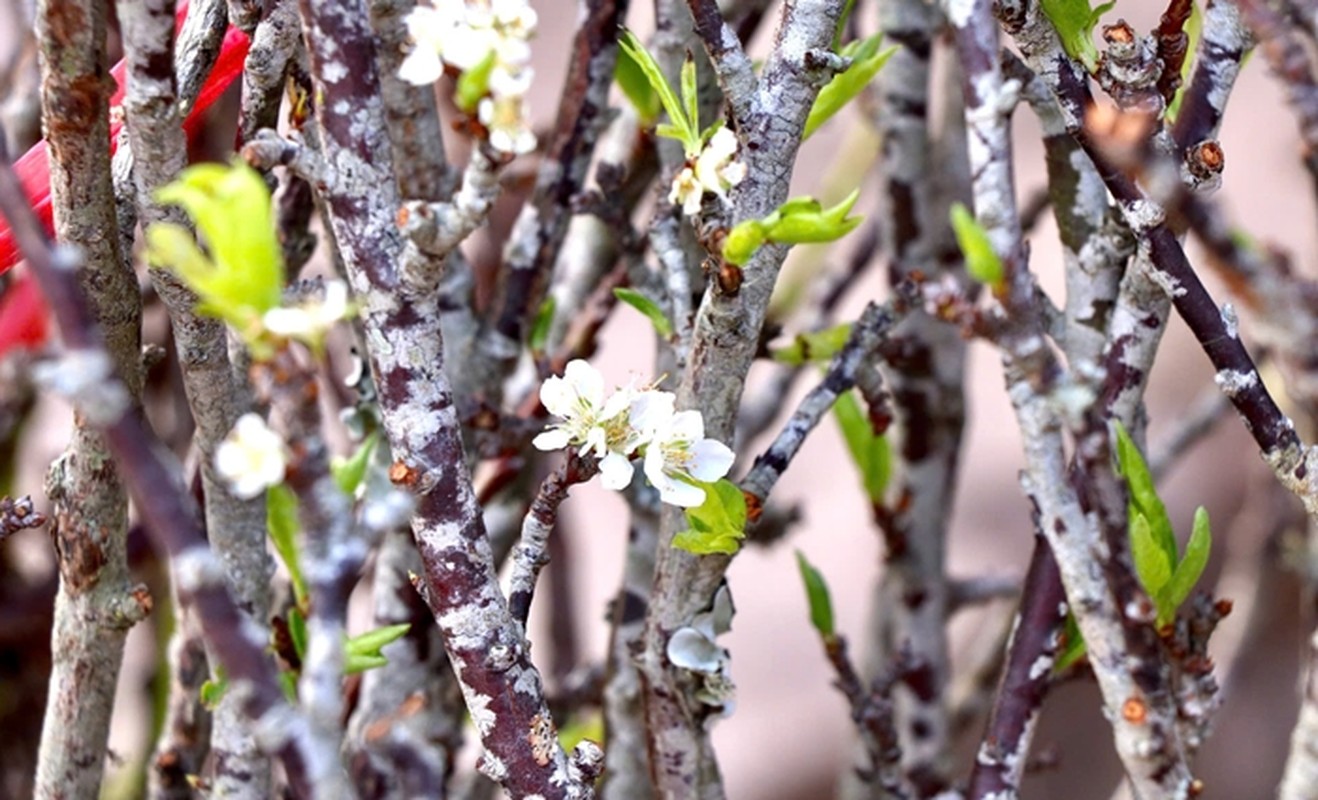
(631,422)
(487,38)
(716,170)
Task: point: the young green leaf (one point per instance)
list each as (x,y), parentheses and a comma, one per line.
(362,652)
(816,593)
(636,87)
(243,275)
(1152,565)
(281,520)
(1075,21)
(1144,498)
(871,454)
(474,84)
(982,261)
(717,525)
(544,318)
(866,62)
(212,691)
(349,472)
(690,95)
(297,632)
(648,307)
(813,346)
(1190,569)
(800,220)
(679,127)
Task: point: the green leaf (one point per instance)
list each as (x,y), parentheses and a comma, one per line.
(297,632)
(1188,572)
(813,346)
(281,520)
(648,307)
(243,275)
(474,84)
(690,96)
(1075,21)
(866,62)
(636,87)
(1152,565)
(841,26)
(544,318)
(804,220)
(982,261)
(212,691)
(362,652)
(349,472)
(800,220)
(816,593)
(288,682)
(1073,646)
(871,453)
(680,127)
(717,525)
(1144,498)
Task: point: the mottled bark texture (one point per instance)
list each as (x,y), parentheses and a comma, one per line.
(97,601)
(486,647)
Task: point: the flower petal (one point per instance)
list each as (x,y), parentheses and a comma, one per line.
(690,649)
(552,439)
(679,493)
(616,471)
(710,460)
(586,381)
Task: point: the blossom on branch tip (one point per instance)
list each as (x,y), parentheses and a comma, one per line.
(715,170)
(599,426)
(252,458)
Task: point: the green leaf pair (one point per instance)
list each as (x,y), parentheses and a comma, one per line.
(360,653)
(242,275)
(1075,21)
(801,220)
(1166,575)
(866,61)
(638,69)
(719,524)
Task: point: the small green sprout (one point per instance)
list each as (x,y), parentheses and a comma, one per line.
(982,261)
(866,61)
(800,220)
(1075,21)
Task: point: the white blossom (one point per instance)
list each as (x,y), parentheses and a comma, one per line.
(599,426)
(310,321)
(436,33)
(252,458)
(695,648)
(716,170)
(679,455)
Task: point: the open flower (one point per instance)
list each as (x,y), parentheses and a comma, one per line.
(599,426)
(504,118)
(716,170)
(252,458)
(679,455)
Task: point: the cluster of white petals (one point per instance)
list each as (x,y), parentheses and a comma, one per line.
(716,170)
(463,35)
(631,422)
(252,458)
